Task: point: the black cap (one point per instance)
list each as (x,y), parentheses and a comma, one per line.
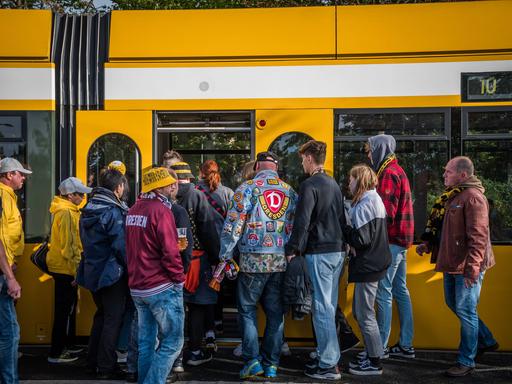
(266,156)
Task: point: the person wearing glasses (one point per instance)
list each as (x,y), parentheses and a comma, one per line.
(62,260)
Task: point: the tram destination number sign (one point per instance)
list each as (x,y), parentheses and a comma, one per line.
(486,86)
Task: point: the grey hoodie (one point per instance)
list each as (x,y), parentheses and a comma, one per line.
(381,147)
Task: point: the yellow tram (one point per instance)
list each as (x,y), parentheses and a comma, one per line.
(79,91)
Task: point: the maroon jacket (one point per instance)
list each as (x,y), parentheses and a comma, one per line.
(152,245)
(465,246)
(395,192)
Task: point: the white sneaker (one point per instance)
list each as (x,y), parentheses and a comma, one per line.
(285,349)
(238,350)
(64,358)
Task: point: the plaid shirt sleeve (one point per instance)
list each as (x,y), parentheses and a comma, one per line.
(389,191)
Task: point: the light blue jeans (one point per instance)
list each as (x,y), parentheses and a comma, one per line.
(9,337)
(463,302)
(160,316)
(266,289)
(394,286)
(324,272)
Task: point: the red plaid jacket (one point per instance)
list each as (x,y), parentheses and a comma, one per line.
(395,191)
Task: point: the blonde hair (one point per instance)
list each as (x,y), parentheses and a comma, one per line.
(366,179)
(248,171)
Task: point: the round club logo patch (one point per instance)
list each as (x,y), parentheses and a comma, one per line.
(274,203)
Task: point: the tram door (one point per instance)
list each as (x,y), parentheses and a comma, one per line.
(283,132)
(104,136)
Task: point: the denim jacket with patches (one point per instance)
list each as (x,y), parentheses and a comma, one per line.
(260,215)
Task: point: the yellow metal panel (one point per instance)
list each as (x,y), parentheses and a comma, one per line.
(26,34)
(27,105)
(424,28)
(139,35)
(317,123)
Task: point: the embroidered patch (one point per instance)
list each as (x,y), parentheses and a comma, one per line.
(280,226)
(288,229)
(238,229)
(259,183)
(232,216)
(249,182)
(237,197)
(274,203)
(256,192)
(253,239)
(239,207)
(267,241)
(279,241)
(272,182)
(255,225)
(227,228)
(271,227)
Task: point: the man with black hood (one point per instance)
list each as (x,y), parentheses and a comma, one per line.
(395,191)
(102,269)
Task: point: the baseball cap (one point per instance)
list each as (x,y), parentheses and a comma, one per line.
(9,164)
(156,177)
(266,156)
(73,185)
(183,170)
(118,166)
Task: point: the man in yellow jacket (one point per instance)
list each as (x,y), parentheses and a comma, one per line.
(62,260)
(12,176)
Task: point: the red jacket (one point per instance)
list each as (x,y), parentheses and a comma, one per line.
(152,250)
(395,192)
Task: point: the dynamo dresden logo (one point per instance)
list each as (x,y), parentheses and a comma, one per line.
(274,203)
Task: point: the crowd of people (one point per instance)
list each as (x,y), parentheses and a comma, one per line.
(145,264)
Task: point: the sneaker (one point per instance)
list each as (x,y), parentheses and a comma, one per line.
(312,363)
(313,355)
(459,370)
(365,368)
(399,351)
(348,341)
(121,357)
(64,358)
(177,367)
(202,357)
(238,350)
(172,378)
(332,373)
(285,349)
(251,368)
(210,344)
(74,349)
(490,348)
(386,353)
(270,372)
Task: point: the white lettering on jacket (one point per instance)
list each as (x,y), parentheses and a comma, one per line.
(136,221)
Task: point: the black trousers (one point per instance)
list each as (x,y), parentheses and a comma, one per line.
(64,314)
(200,317)
(106,326)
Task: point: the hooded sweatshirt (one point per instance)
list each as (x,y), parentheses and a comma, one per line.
(11,227)
(394,190)
(65,245)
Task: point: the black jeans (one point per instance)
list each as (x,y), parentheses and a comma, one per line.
(108,319)
(199,317)
(64,313)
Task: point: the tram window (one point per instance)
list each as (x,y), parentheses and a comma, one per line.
(11,127)
(286,147)
(493,166)
(489,122)
(393,123)
(110,147)
(422,160)
(210,140)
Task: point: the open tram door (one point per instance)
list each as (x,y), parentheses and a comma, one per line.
(101,137)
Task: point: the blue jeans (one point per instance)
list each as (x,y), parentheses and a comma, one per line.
(394,286)
(324,272)
(463,302)
(160,316)
(266,289)
(9,337)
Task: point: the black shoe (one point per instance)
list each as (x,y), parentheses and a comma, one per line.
(177,367)
(171,378)
(312,363)
(348,341)
(210,344)
(131,377)
(489,348)
(112,375)
(199,358)
(364,368)
(332,373)
(398,351)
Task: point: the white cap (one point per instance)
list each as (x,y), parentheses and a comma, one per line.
(73,185)
(9,164)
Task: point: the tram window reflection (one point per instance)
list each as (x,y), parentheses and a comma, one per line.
(490,122)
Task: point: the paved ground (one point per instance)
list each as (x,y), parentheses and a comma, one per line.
(427,368)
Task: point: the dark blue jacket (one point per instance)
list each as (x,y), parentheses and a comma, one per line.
(102,231)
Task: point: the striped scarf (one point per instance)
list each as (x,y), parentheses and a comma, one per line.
(385,163)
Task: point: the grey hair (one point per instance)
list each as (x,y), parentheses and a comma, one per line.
(464,164)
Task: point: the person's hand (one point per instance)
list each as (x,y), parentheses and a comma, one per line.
(423,248)
(469,282)
(182,245)
(290,257)
(13,288)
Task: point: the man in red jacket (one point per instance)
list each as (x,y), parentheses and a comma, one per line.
(396,195)
(155,276)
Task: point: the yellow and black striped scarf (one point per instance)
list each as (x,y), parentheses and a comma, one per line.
(435,220)
(385,163)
